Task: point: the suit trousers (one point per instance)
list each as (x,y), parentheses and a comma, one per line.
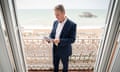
(64,60)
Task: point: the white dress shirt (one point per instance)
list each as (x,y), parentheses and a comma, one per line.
(59,28)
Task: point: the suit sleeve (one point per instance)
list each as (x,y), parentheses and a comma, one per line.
(71,38)
(51,33)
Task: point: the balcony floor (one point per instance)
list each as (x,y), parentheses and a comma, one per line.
(61,71)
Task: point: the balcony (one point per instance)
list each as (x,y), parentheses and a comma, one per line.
(38,53)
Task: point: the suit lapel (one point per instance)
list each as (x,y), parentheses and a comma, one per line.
(64,27)
(55,28)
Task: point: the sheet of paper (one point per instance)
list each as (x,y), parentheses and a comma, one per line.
(48,39)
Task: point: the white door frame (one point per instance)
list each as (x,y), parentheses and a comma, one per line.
(115,64)
(9,12)
(6,64)
(9,15)
(107,43)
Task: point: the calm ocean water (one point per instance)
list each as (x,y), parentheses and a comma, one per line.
(43,18)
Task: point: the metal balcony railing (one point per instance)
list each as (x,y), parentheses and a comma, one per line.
(39,53)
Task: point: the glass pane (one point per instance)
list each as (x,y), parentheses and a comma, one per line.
(36,20)
(6,46)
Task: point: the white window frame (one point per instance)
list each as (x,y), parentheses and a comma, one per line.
(104,51)
(107,43)
(9,15)
(114,66)
(6,59)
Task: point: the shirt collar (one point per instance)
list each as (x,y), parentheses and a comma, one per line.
(64,21)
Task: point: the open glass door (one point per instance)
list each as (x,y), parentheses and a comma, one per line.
(11,39)
(115,55)
(36,18)
(6,57)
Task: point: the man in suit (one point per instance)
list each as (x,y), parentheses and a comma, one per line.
(63,34)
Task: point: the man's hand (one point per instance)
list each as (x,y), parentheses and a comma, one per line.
(47,39)
(56,41)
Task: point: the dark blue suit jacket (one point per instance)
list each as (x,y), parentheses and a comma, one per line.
(67,37)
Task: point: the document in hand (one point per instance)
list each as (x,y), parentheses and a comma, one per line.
(48,39)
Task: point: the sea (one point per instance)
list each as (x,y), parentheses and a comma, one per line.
(44,18)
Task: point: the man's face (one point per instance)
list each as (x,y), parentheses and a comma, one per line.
(59,15)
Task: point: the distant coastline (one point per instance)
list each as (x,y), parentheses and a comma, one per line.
(43,18)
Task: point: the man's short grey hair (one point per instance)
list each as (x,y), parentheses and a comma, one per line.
(60,7)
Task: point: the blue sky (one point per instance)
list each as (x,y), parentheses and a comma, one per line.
(69,4)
